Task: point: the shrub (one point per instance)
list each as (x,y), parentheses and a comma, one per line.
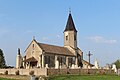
(17,72)
(31,73)
(6,72)
(41,77)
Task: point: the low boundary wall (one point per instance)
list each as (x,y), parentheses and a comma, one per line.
(47,72)
(79,71)
(42,71)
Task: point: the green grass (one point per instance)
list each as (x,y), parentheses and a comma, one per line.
(6,79)
(87,77)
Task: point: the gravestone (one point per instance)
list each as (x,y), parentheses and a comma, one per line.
(57,64)
(107,66)
(96,64)
(46,66)
(73,66)
(114,68)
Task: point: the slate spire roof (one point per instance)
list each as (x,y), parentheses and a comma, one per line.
(70,24)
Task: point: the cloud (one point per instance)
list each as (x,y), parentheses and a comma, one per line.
(99,39)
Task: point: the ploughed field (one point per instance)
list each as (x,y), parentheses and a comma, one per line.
(86,77)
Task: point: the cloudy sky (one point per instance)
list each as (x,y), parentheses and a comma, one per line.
(97,22)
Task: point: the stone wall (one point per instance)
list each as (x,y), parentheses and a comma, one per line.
(79,71)
(38,71)
(47,72)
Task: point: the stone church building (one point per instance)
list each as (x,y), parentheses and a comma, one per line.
(40,55)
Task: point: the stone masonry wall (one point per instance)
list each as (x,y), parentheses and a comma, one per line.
(79,71)
(38,71)
(48,72)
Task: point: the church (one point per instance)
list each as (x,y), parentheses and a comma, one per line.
(41,55)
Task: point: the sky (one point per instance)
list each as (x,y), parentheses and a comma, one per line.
(97,23)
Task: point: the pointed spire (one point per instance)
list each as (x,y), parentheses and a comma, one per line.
(18,51)
(70,24)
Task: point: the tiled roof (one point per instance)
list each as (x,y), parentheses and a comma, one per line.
(52,49)
(84,61)
(32,59)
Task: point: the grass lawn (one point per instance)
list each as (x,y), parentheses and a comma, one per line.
(6,79)
(87,77)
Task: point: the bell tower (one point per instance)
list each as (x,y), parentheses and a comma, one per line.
(70,33)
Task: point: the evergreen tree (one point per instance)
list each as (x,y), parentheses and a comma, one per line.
(2,60)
